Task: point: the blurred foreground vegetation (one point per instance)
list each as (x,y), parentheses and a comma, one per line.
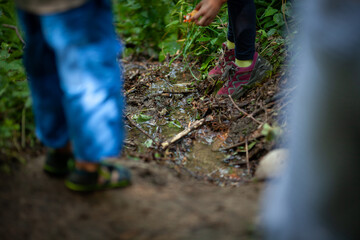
(148,28)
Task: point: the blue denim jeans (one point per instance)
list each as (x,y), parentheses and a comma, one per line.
(75,79)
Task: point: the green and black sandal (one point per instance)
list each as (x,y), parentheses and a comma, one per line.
(59,164)
(108,176)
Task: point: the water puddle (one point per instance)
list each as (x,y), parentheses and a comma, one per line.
(170,115)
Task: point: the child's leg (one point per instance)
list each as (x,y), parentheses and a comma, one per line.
(242,27)
(249,68)
(86,49)
(39,61)
(230,36)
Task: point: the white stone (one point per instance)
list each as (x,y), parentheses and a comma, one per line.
(272,164)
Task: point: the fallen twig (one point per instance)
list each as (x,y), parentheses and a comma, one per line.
(255,113)
(241,143)
(141,130)
(166,94)
(247,155)
(184,92)
(183,133)
(16,31)
(243,112)
(283,6)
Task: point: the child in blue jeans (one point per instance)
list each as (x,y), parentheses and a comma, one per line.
(76,87)
(243,67)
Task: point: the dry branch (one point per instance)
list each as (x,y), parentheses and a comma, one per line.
(183,133)
(141,130)
(247,155)
(16,31)
(256,136)
(243,112)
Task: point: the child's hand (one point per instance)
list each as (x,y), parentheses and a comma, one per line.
(207,10)
(188,17)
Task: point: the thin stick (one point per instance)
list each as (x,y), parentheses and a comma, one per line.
(16,30)
(23,126)
(283,11)
(240,143)
(166,94)
(141,130)
(243,112)
(183,133)
(184,92)
(247,155)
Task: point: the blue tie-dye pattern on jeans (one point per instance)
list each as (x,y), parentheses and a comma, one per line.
(75,79)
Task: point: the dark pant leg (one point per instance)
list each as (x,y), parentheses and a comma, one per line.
(42,75)
(242,27)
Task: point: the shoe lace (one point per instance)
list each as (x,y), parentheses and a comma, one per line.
(228,71)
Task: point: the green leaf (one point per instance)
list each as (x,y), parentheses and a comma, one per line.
(271,32)
(141,118)
(174,124)
(270,132)
(148,143)
(263,33)
(172,23)
(250,146)
(269,24)
(204,39)
(270,11)
(206,63)
(278,19)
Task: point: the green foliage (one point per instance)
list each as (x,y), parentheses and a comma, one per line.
(16,124)
(197,44)
(272,16)
(156,28)
(271,132)
(141,23)
(273,20)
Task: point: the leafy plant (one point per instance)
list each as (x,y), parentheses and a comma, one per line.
(197,44)
(141,23)
(157,29)
(16,121)
(273,20)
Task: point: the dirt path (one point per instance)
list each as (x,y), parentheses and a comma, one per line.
(161,204)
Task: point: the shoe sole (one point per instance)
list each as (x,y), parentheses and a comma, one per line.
(83,188)
(55,171)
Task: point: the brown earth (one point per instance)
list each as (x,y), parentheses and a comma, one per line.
(162,203)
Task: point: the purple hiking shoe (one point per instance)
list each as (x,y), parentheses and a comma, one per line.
(241,79)
(227,57)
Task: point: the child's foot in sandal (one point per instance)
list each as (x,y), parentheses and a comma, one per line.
(103,176)
(59,163)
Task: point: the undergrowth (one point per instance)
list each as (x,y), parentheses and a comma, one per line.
(16,120)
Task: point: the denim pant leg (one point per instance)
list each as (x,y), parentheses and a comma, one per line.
(86,49)
(242,27)
(43,79)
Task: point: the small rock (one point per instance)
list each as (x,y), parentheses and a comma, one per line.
(272,164)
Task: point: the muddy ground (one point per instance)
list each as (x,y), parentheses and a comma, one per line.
(199,187)
(161,204)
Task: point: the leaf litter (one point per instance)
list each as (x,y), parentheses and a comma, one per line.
(165,100)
